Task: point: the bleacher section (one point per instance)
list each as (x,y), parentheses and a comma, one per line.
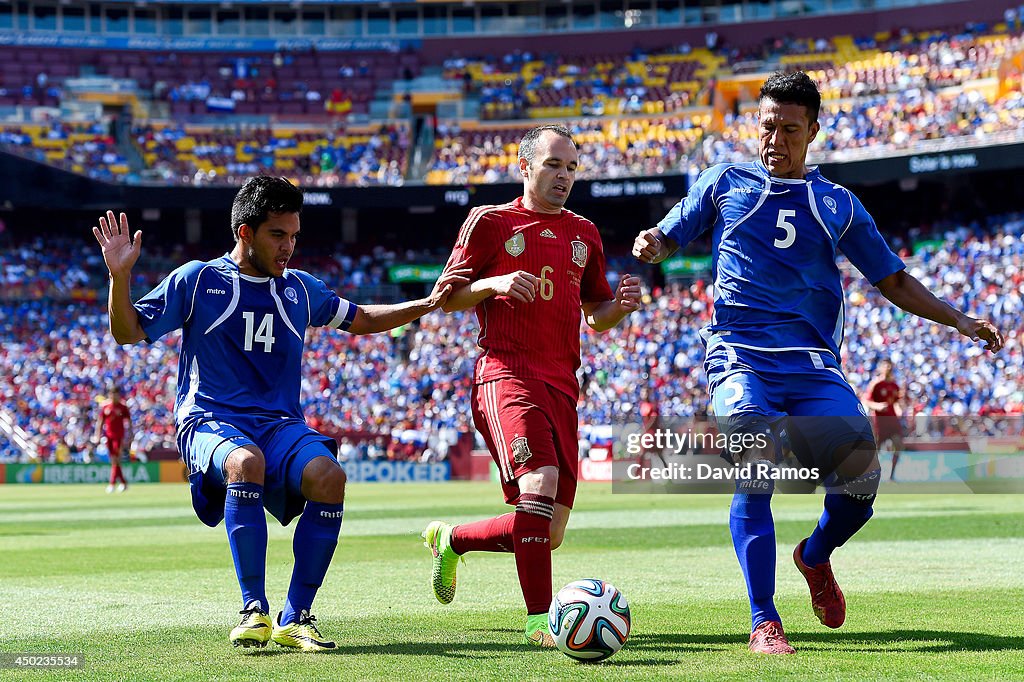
(638,112)
(521,86)
(354,155)
(286,83)
(609,148)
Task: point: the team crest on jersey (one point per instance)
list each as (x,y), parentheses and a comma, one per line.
(831,203)
(579,253)
(520,449)
(291,295)
(516,245)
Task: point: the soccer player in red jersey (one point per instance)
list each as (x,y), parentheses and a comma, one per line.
(534,265)
(883,399)
(115,426)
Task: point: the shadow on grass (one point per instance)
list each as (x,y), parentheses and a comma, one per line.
(907,641)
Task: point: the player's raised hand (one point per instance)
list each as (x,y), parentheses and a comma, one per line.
(120,249)
(981,330)
(628,293)
(450,280)
(519,285)
(648,246)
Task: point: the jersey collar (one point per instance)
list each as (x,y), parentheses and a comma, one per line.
(518,203)
(812,173)
(234,266)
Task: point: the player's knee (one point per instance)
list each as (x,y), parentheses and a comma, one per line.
(751,439)
(543,481)
(858,472)
(323,480)
(245,465)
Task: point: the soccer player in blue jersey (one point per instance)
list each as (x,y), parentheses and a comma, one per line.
(240,427)
(772,348)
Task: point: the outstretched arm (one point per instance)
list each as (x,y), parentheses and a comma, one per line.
(120,251)
(604,315)
(651,246)
(98,431)
(905,291)
(520,285)
(371,319)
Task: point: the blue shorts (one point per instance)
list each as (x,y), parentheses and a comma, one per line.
(802,391)
(288,445)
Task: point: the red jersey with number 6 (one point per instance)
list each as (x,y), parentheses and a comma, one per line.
(538,340)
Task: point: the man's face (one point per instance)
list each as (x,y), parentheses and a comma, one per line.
(269,248)
(784,132)
(549,178)
(886,369)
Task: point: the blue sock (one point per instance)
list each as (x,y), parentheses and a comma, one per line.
(316,536)
(843,516)
(753,537)
(247,535)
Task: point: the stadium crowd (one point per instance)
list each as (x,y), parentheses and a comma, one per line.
(609,148)
(640,113)
(86,148)
(404,395)
(322,157)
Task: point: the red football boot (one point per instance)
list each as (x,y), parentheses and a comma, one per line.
(768,638)
(827,599)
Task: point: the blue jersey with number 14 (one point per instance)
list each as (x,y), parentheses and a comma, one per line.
(774,247)
(242,336)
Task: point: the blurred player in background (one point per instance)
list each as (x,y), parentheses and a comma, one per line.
(650,418)
(772,348)
(115,427)
(533,266)
(241,430)
(883,399)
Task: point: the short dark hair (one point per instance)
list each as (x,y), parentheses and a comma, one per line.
(528,145)
(795,87)
(259,197)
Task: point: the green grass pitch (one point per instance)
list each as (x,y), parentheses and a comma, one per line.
(934,585)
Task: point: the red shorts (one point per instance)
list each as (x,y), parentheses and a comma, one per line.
(886,427)
(114,447)
(528,424)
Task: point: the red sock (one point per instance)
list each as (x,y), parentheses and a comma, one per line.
(115,473)
(489,535)
(532,537)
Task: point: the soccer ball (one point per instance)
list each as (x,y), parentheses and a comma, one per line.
(589,620)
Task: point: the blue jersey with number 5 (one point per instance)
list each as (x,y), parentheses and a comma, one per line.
(775,241)
(242,336)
